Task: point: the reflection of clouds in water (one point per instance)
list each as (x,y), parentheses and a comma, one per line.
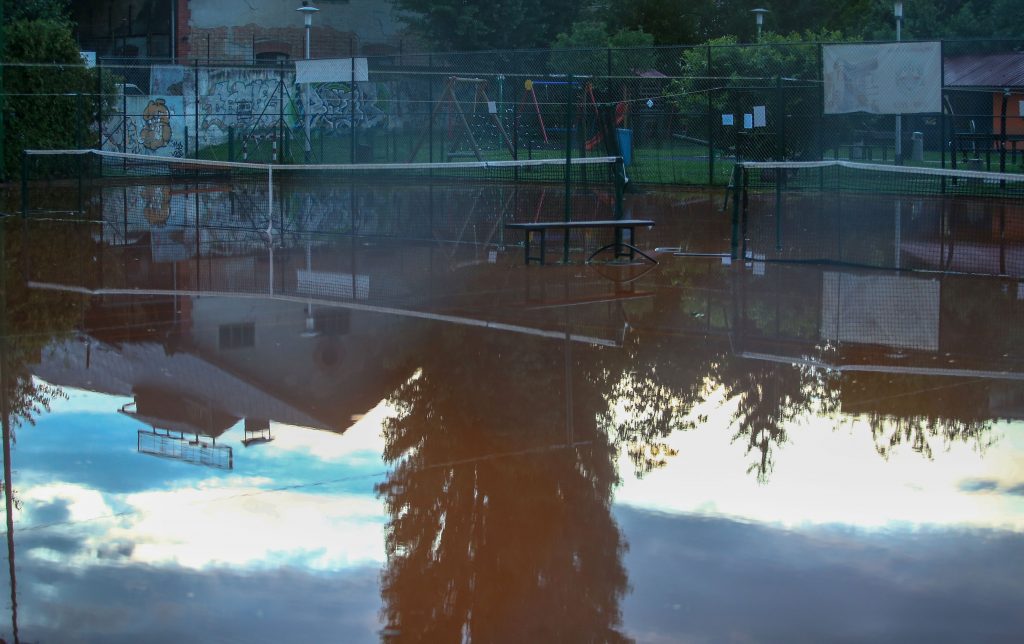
(817,585)
(829,472)
(214,523)
(121,603)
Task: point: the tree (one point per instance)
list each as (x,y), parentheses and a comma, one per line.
(583,50)
(467,25)
(39,109)
(669,22)
(781,74)
(500,529)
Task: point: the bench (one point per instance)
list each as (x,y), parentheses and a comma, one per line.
(622,248)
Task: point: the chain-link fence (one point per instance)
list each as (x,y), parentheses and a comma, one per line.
(679,115)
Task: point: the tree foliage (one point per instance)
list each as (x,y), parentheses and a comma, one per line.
(467,25)
(39,103)
(589,41)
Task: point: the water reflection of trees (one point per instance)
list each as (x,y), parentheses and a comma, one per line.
(31,318)
(917,411)
(500,498)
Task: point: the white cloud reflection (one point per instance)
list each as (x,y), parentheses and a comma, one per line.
(829,472)
(322,516)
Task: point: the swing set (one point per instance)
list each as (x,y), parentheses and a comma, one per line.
(458,127)
(586,107)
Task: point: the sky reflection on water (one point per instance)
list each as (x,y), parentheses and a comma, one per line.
(396,441)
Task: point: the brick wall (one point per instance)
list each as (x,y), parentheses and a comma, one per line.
(182,31)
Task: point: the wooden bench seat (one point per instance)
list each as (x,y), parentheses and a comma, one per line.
(622,248)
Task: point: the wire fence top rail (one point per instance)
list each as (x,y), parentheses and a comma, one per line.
(896,169)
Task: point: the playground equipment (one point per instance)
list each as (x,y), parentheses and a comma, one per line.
(586,110)
(459,128)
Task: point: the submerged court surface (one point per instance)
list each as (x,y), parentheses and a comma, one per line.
(375,423)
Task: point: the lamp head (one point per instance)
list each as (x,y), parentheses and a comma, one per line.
(897,9)
(307,12)
(759,15)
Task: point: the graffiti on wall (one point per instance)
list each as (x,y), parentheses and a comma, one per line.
(205,105)
(152,125)
(257,102)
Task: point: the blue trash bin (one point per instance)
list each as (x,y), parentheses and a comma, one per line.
(624,138)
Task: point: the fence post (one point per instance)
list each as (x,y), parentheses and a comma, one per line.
(281,130)
(124,120)
(711,126)
(734,244)
(430,109)
(195,72)
(1002,135)
(231,143)
(821,107)
(352,101)
(780,106)
(24,184)
(570,99)
(942,110)
(99,103)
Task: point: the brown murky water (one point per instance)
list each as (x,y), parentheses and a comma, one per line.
(405,434)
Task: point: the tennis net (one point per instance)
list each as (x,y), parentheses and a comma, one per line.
(164,190)
(895,217)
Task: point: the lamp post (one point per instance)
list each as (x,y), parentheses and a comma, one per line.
(759,16)
(307,18)
(897,10)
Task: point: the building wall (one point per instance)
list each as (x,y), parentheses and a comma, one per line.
(233,31)
(236,31)
(1014,120)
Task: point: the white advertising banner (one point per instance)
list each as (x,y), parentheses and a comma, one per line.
(330,70)
(894,78)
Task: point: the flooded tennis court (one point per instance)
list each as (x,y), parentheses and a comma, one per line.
(371,421)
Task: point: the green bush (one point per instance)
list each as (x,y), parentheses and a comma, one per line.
(49,95)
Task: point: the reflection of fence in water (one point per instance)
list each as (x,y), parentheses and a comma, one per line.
(869,215)
(189,450)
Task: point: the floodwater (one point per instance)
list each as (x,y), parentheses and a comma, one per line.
(405,434)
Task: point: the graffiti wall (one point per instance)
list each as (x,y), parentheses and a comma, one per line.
(151,125)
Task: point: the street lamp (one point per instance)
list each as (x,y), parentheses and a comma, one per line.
(307,18)
(759,16)
(897,10)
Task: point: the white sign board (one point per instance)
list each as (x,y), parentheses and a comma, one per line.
(727,119)
(330,70)
(893,78)
(748,121)
(760,116)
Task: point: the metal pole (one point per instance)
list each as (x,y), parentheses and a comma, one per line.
(899,117)
(352,105)
(430,109)
(569,101)
(305,93)
(99,105)
(195,69)
(3,165)
(711,127)
(1002,135)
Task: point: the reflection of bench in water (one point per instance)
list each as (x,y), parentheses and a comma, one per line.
(622,248)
